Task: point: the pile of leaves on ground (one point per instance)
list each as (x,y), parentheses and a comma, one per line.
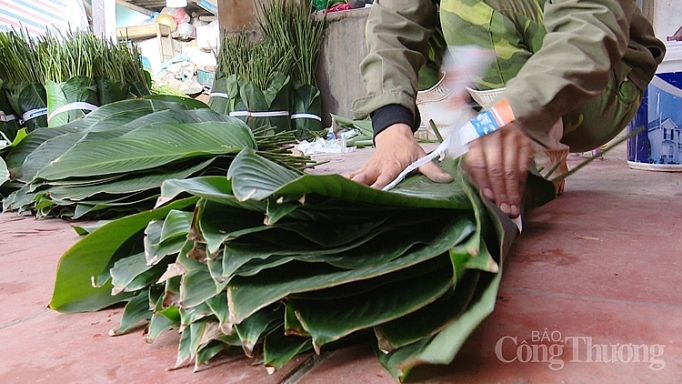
(113,161)
(275,263)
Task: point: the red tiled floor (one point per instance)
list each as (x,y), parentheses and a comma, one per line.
(75,348)
(29,252)
(603,261)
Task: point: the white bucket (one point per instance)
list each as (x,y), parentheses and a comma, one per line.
(659,146)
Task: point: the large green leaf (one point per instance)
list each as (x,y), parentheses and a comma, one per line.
(133,273)
(4,172)
(252,329)
(148,147)
(428,320)
(183,117)
(212,188)
(17,156)
(135,313)
(306,100)
(249,182)
(218,222)
(73,291)
(92,128)
(176,224)
(278,348)
(196,287)
(76,89)
(218,305)
(45,145)
(125,185)
(157,325)
(48,151)
(331,319)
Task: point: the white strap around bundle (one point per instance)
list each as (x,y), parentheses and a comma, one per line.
(5,118)
(220,94)
(259,114)
(72,107)
(305,116)
(33,113)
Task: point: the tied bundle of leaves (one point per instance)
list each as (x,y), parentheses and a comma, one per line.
(306,111)
(9,123)
(113,161)
(278,263)
(23,77)
(289,46)
(83,72)
(256,107)
(250,83)
(289,26)
(54,79)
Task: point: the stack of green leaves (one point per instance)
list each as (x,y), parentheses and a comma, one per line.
(276,263)
(113,161)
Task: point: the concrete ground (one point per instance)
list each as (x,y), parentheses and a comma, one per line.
(591,293)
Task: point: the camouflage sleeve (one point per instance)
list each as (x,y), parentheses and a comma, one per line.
(585,39)
(397,33)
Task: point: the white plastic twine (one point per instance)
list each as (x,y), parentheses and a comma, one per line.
(219,94)
(259,114)
(71,107)
(33,113)
(6,118)
(305,116)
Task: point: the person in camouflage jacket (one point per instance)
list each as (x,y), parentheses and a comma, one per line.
(584,62)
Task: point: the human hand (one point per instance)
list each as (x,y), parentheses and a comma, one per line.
(498,164)
(396,148)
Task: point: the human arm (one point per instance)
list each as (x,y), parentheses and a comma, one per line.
(397,36)
(585,40)
(584,43)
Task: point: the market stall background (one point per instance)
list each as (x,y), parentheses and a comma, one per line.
(35,16)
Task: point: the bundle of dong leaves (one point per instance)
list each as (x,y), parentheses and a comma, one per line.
(53,79)
(274,263)
(113,161)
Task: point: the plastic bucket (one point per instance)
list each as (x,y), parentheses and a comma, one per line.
(658,147)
